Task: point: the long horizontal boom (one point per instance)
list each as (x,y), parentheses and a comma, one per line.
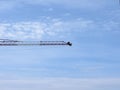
(6,42)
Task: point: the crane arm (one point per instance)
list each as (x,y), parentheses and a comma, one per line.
(6,42)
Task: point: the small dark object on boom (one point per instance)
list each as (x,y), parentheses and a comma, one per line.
(69,43)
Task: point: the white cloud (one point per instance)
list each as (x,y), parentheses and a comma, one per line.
(61,84)
(35,30)
(53,28)
(22,30)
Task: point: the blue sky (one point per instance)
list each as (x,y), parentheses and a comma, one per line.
(92,63)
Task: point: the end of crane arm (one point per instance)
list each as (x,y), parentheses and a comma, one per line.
(7,42)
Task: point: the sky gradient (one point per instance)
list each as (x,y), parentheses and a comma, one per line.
(92,63)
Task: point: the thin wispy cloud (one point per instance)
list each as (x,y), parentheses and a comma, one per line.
(83,4)
(61,84)
(7,5)
(76,4)
(54,27)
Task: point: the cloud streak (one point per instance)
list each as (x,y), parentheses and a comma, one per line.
(76,4)
(61,83)
(7,5)
(80,4)
(35,30)
(53,28)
